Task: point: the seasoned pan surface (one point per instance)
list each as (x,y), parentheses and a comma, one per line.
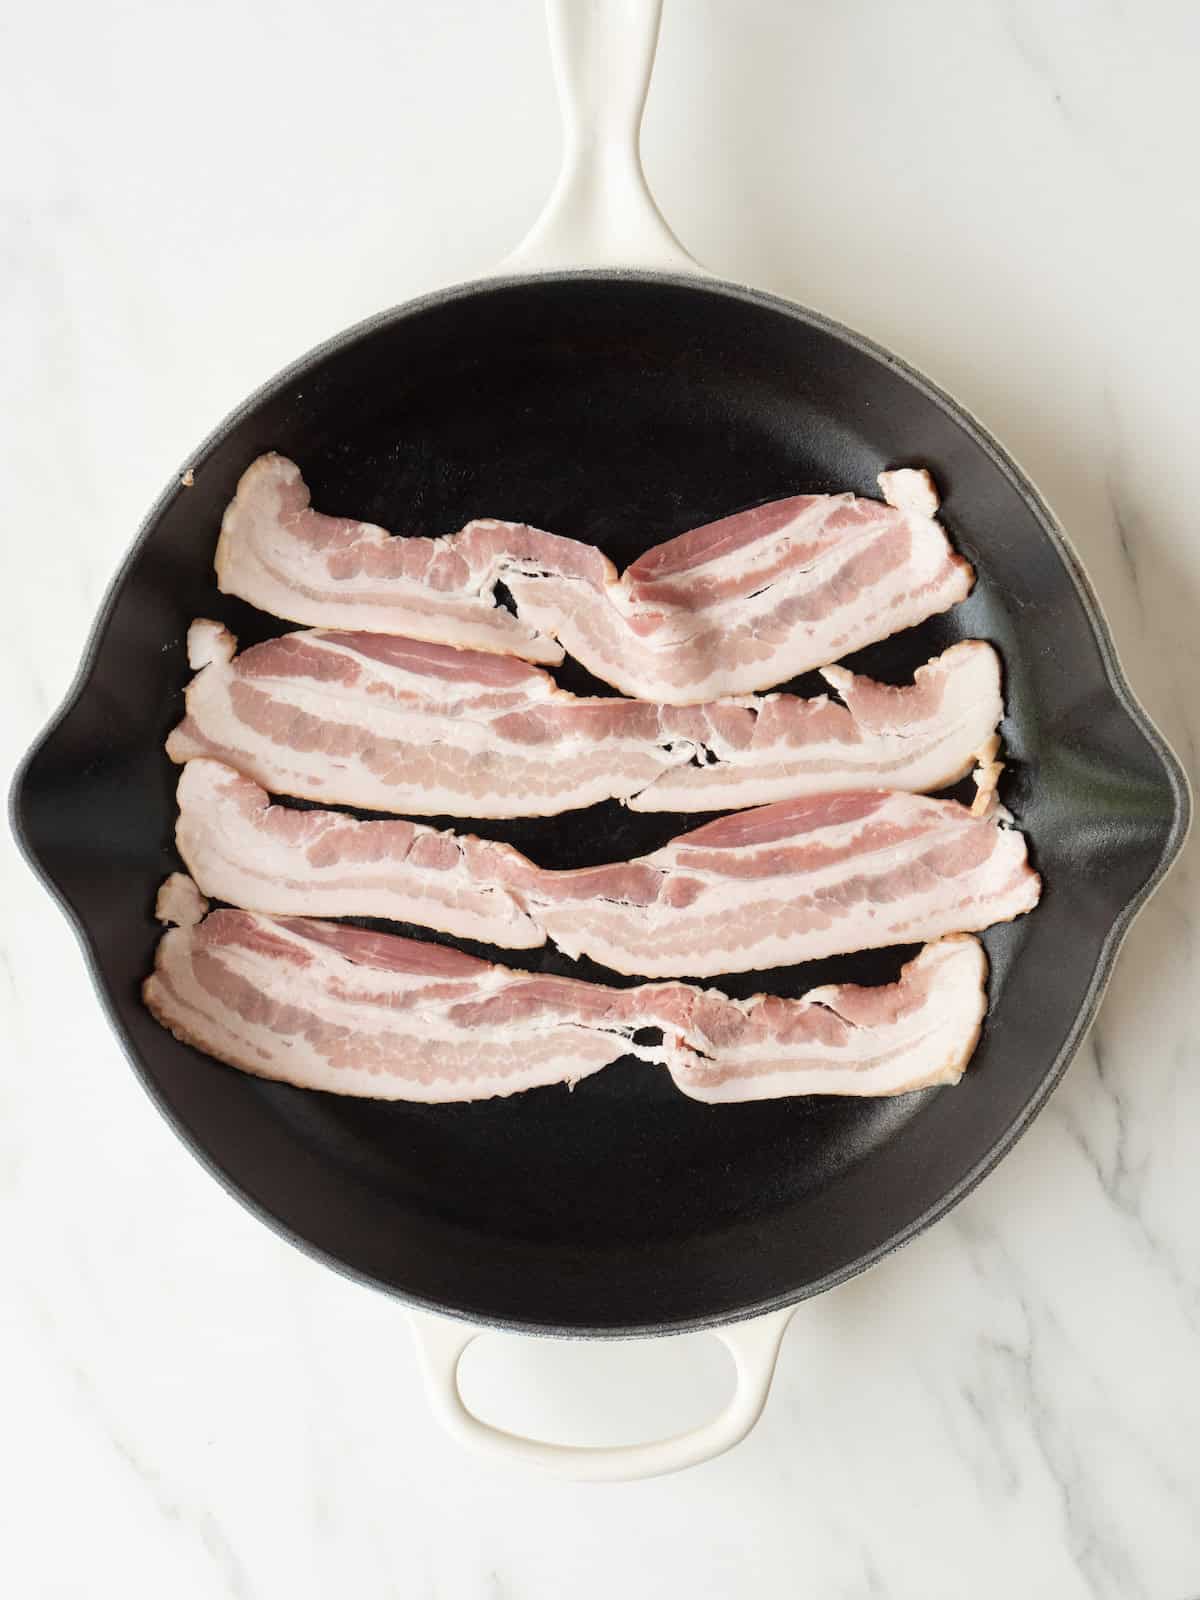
(618,408)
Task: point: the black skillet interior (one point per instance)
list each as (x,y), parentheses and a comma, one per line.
(620,409)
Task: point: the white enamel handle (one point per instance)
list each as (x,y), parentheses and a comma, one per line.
(601,213)
(754,1346)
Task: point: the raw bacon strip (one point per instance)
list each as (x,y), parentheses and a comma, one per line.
(286,558)
(922,736)
(840,1039)
(790,882)
(395,725)
(737,605)
(325,1006)
(755,598)
(241,848)
(786,883)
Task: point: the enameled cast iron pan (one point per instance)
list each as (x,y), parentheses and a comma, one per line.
(619,406)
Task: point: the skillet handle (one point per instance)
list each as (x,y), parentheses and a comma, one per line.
(754,1346)
(601,213)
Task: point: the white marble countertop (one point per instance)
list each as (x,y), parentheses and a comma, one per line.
(1005,192)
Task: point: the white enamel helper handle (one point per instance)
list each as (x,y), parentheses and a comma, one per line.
(754,1346)
(601,213)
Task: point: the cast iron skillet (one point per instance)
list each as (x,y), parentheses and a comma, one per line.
(619,407)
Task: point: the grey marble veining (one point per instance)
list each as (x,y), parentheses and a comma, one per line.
(1005,193)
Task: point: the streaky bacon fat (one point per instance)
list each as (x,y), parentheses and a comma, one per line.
(394,724)
(330,1007)
(786,883)
(919,736)
(336,572)
(733,606)
(790,882)
(263,857)
(842,1038)
(755,598)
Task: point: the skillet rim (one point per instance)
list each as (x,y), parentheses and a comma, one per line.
(1174,778)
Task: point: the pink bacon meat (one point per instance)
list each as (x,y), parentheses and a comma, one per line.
(790,882)
(263,857)
(843,1038)
(919,736)
(783,884)
(755,598)
(336,572)
(397,725)
(325,1006)
(736,605)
